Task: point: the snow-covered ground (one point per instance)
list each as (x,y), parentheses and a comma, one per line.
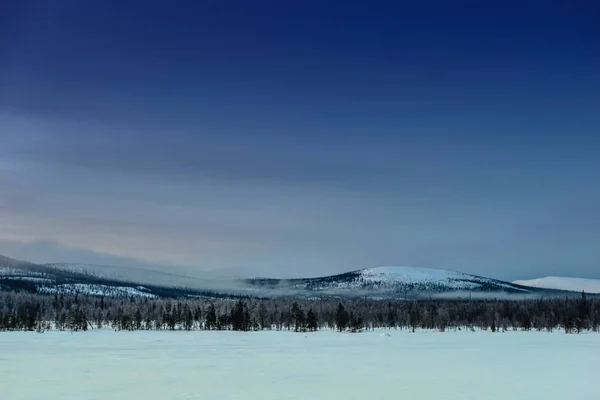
(283,365)
(563,283)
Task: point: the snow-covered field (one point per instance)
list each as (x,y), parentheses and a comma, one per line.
(283,365)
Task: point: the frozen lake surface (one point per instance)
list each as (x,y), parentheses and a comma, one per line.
(284,365)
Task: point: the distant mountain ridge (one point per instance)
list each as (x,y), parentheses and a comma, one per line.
(379,282)
(563,283)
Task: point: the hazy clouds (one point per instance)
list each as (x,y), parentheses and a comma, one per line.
(285,141)
(278,208)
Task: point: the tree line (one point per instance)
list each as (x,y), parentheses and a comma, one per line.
(36,312)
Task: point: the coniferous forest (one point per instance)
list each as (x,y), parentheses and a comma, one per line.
(35,312)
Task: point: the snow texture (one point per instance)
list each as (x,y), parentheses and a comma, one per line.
(563,283)
(12,271)
(96,290)
(385,281)
(426,276)
(283,365)
(411,275)
(29,279)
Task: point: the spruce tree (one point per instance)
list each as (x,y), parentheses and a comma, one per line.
(298,317)
(341,318)
(312,322)
(211,317)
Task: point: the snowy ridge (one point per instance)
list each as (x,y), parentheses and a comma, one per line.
(98,271)
(428,276)
(391,282)
(9,271)
(8,262)
(412,276)
(387,282)
(408,274)
(22,271)
(134,275)
(65,279)
(96,290)
(563,283)
(28,279)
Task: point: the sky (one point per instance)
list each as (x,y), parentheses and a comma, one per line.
(302,138)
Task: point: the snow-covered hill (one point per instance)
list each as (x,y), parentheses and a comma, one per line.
(428,276)
(6,262)
(563,283)
(391,281)
(138,275)
(380,282)
(81,279)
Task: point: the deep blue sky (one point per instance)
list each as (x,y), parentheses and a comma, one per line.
(302,138)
